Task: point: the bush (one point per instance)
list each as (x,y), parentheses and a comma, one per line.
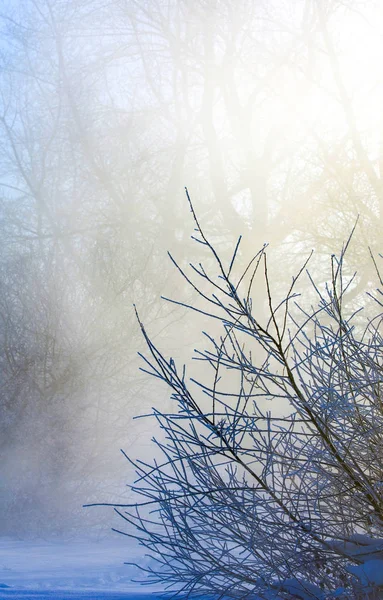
(281,503)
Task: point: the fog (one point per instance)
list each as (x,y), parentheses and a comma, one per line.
(270,112)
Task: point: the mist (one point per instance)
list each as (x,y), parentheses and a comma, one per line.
(269,112)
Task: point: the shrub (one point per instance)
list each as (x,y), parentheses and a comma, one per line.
(268,482)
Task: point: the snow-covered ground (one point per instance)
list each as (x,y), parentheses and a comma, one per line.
(70,595)
(70,570)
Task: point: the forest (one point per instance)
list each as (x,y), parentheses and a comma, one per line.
(269,113)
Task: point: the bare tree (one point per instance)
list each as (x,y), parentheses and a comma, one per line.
(72,228)
(267,479)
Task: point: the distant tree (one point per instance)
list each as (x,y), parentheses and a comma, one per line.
(268,480)
(105,110)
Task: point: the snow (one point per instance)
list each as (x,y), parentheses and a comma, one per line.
(70,570)
(69,595)
(360,546)
(302,589)
(85,570)
(370,573)
(367,550)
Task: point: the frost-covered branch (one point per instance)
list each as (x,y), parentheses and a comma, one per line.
(268,480)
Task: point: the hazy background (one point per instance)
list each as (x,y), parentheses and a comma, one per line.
(271,112)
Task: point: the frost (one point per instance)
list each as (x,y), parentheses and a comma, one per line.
(267,478)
